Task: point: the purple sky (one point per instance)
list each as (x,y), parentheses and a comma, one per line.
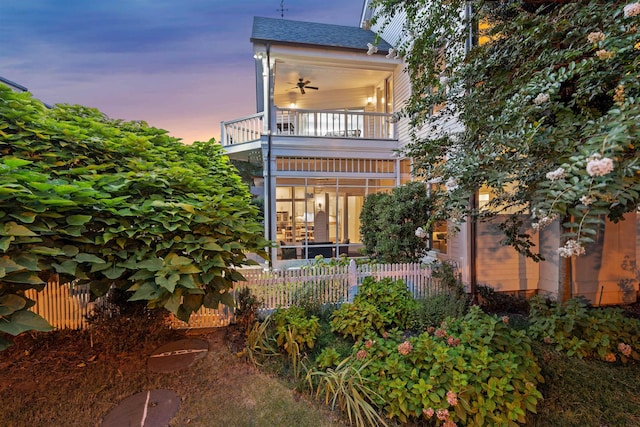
(180,65)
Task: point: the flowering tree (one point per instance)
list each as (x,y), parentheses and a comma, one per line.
(548,97)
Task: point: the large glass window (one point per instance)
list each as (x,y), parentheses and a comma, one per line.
(321,216)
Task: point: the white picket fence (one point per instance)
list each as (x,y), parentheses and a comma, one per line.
(66,306)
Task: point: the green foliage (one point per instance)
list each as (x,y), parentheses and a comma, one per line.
(548,99)
(379,305)
(108,202)
(601,333)
(475,371)
(499,302)
(246,307)
(328,358)
(389,223)
(294,331)
(347,389)
(434,310)
(357,320)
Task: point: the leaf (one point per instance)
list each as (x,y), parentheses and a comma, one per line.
(23,321)
(14,162)
(147,291)
(11,303)
(27,277)
(67,267)
(154,264)
(13,229)
(78,219)
(5,242)
(84,257)
(25,217)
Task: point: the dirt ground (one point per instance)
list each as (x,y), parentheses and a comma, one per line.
(60,379)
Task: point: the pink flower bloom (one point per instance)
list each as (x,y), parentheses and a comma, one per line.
(452,398)
(405,348)
(556,174)
(430,330)
(624,349)
(548,340)
(449,423)
(362,354)
(610,357)
(453,341)
(385,335)
(571,248)
(368,344)
(604,54)
(440,333)
(428,412)
(632,9)
(442,414)
(505,320)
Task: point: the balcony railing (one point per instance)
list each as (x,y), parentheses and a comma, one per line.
(311,123)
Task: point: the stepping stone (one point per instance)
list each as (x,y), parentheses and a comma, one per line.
(153,408)
(177,355)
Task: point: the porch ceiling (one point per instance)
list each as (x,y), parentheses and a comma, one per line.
(326,78)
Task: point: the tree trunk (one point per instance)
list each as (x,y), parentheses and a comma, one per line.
(564,279)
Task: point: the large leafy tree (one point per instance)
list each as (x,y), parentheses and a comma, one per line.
(389,222)
(107,202)
(548,98)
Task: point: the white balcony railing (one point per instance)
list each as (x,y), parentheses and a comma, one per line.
(311,123)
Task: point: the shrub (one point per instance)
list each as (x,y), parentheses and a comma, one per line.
(493,302)
(432,311)
(328,358)
(357,320)
(475,371)
(294,331)
(575,328)
(247,307)
(391,297)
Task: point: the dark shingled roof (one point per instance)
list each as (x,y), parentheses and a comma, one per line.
(313,34)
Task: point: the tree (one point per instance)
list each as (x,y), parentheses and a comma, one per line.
(389,223)
(548,98)
(114,203)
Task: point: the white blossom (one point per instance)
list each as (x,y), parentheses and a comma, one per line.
(598,165)
(543,222)
(420,233)
(632,9)
(372,49)
(586,200)
(556,174)
(541,99)
(451,184)
(571,248)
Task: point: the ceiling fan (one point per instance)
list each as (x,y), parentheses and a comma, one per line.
(302,85)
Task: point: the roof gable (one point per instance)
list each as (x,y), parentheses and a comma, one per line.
(284,31)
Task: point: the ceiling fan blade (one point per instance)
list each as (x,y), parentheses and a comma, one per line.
(311,87)
(302,90)
(307,82)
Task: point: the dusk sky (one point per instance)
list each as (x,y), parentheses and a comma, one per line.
(179,65)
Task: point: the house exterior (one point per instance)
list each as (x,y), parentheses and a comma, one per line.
(326,135)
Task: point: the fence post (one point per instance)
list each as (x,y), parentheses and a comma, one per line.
(353,281)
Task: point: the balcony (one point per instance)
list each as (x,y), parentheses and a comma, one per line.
(290,122)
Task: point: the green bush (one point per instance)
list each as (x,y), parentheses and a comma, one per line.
(357,320)
(432,311)
(475,371)
(575,328)
(294,331)
(391,297)
(493,302)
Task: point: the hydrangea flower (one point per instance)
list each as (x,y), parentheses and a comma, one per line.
(571,248)
(361,354)
(624,349)
(596,36)
(405,348)
(420,233)
(542,98)
(452,398)
(505,320)
(442,414)
(428,412)
(598,165)
(604,54)
(556,174)
(440,333)
(632,9)
(610,357)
